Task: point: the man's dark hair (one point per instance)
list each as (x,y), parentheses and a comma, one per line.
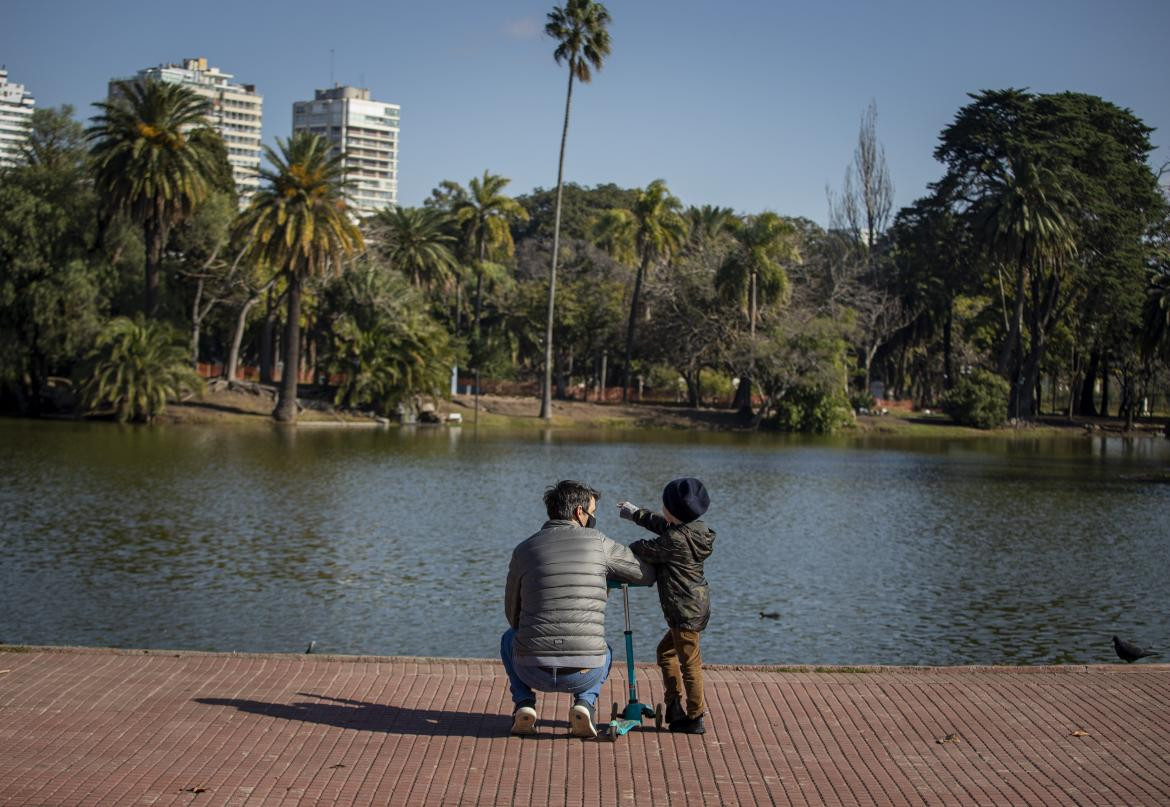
(561,499)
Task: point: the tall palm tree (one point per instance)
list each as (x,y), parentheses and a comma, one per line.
(154,160)
(652,230)
(486,215)
(580,29)
(418,242)
(299,223)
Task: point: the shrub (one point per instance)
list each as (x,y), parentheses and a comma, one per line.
(385,345)
(136,367)
(811,410)
(980,400)
(715,385)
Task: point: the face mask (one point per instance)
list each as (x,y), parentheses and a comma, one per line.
(591,522)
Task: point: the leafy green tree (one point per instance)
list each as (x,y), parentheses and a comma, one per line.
(204,259)
(579,207)
(934,263)
(581,31)
(1071,171)
(653,230)
(690,330)
(299,224)
(136,367)
(53,284)
(799,362)
(155,160)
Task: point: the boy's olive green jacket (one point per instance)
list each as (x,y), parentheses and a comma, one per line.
(677,555)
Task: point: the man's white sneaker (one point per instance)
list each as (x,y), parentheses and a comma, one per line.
(581,720)
(524,720)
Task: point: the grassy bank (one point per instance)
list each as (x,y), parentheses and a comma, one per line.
(236,406)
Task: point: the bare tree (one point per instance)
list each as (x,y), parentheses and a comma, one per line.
(857,220)
(868,183)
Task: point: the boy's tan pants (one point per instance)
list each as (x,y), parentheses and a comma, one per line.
(681,664)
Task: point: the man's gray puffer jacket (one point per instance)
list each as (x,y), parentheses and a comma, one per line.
(555,596)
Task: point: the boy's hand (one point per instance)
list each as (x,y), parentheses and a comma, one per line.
(626,510)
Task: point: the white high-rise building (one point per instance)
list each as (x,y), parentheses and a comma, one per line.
(366,133)
(16,109)
(236,113)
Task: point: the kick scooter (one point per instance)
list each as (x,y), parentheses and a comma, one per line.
(622,721)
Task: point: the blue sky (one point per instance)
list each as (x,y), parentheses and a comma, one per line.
(752,105)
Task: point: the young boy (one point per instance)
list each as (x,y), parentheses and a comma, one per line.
(683,543)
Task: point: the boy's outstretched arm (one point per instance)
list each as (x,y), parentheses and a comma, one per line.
(643,517)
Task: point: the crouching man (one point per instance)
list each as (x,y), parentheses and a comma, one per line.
(555,603)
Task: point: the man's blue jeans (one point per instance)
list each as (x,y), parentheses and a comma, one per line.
(523,680)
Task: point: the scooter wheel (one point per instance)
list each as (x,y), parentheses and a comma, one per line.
(658,715)
(613,734)
(613,712)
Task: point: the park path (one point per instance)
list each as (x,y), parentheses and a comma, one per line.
(102,727)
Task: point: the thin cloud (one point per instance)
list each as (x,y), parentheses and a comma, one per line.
(524,28)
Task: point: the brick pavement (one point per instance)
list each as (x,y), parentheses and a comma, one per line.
(90,727)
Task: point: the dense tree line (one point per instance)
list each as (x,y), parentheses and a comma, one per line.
(1033,277)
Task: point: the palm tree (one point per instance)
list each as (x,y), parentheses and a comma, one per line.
(137,365)
(653,230)
(154,160)
(486,215)
(755,268)
(417,242)
(300,225)
(580,29)
(709,222)
(1023,222)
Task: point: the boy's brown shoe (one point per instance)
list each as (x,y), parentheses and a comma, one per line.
(689,725)
(674,711)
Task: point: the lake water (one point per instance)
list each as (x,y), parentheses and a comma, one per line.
(870,550)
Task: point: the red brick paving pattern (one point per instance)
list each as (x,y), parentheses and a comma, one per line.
(81,727)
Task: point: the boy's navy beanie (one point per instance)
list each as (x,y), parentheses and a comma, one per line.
(686,499)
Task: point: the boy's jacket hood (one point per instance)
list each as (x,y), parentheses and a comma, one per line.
(700,537)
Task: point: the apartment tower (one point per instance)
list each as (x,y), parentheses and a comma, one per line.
(236,113)
(16,109)
(366,133)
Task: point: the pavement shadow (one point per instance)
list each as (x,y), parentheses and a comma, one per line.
(364,716)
